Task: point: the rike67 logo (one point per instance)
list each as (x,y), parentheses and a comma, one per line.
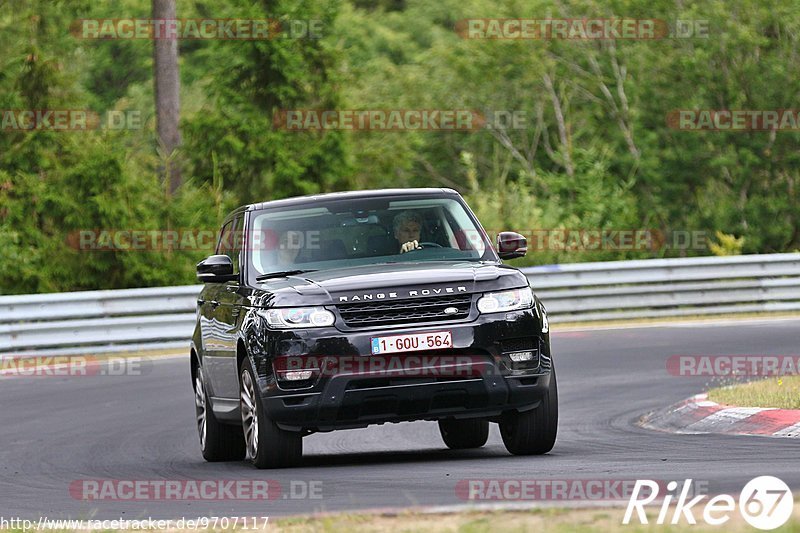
(765,503)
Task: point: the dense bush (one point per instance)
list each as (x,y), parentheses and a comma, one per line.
(596,151)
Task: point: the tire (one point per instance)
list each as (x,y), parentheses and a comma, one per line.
(464,434)
(218,441)
(533,432)
(267,445)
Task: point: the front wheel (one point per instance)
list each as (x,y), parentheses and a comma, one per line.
(268,446)
(219,442)
(533,432)
(464,434)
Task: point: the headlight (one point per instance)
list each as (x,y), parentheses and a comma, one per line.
(298,317)
(497,302)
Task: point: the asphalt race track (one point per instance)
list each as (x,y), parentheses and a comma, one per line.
(56,430)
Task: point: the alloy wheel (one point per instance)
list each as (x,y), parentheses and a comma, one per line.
(200,407)
(249,414)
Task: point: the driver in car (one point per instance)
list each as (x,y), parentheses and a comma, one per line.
(407,228)
(289,246)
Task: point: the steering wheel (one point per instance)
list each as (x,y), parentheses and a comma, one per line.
(426,244)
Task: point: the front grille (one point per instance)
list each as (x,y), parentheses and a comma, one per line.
(368,314)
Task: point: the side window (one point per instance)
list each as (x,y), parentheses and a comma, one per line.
(230,242)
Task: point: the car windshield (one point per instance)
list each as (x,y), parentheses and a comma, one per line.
(340,233)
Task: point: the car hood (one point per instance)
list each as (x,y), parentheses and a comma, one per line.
(385,282)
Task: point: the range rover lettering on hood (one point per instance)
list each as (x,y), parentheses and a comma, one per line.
(410,293)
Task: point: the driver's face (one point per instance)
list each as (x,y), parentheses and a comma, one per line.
(288,248)
(407,232)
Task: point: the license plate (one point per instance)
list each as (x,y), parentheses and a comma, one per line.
(412,343)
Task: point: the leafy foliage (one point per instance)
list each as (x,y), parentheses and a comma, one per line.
(595,152)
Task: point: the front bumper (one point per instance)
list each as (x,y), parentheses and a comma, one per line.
(351,388)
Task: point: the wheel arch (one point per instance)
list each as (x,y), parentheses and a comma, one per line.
(241,354)
(194,364)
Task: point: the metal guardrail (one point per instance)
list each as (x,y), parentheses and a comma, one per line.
(163,317)
(668,287)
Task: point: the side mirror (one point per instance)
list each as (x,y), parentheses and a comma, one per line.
(215,269)
(511,245)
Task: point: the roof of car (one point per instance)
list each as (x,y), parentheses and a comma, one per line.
(346,195)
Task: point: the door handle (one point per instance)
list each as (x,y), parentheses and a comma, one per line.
(214,305)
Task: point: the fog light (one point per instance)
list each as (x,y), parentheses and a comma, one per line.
(519,357)
(297,375)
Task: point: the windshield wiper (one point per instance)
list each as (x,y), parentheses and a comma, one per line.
(281,274)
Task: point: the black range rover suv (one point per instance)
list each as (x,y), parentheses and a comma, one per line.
(343,310)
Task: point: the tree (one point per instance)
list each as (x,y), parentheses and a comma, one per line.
(167,91)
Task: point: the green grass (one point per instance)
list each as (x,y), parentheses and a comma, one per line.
(538,520)
(783,392)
